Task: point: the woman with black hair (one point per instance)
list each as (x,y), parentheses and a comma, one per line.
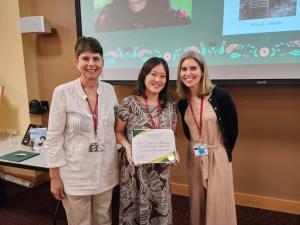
(139,14)
(145,196)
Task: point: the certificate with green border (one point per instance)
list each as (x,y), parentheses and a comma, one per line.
(153,146)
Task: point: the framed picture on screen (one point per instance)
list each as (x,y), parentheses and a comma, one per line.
(26,138)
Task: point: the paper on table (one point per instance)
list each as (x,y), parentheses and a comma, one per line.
(19,156)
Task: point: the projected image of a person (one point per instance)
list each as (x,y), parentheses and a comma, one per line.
(81,145)
(209,120)
(143,187)
(139,14)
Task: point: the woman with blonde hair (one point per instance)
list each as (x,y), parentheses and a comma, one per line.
(209,120)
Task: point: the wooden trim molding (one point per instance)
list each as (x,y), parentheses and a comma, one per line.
(263,202)
(256,201)
(180,189)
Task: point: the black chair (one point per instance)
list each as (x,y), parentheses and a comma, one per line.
(56,211)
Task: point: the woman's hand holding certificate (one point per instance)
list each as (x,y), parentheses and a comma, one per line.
(153,146)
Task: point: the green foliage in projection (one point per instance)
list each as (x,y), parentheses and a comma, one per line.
(185,5)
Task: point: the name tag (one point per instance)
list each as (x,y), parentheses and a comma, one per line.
(95,147)
(200,150)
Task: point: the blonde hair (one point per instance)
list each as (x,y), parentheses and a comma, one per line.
(205,85)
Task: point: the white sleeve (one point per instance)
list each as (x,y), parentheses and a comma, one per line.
(56,127)
(115,99)
(112,96)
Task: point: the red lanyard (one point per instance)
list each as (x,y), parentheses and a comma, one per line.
(94,114)
(151,118)
(201,115)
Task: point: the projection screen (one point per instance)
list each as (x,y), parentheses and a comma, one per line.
(243,43)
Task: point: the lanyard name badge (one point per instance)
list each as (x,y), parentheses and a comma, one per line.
(151,118)
(95,146)
(199,149)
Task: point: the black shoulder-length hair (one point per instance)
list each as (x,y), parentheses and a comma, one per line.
(117,15)
(146,69)
(153,4)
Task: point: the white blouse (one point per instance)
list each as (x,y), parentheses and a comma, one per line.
(70,133)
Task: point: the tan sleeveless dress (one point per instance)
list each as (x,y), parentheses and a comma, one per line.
(210,177)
